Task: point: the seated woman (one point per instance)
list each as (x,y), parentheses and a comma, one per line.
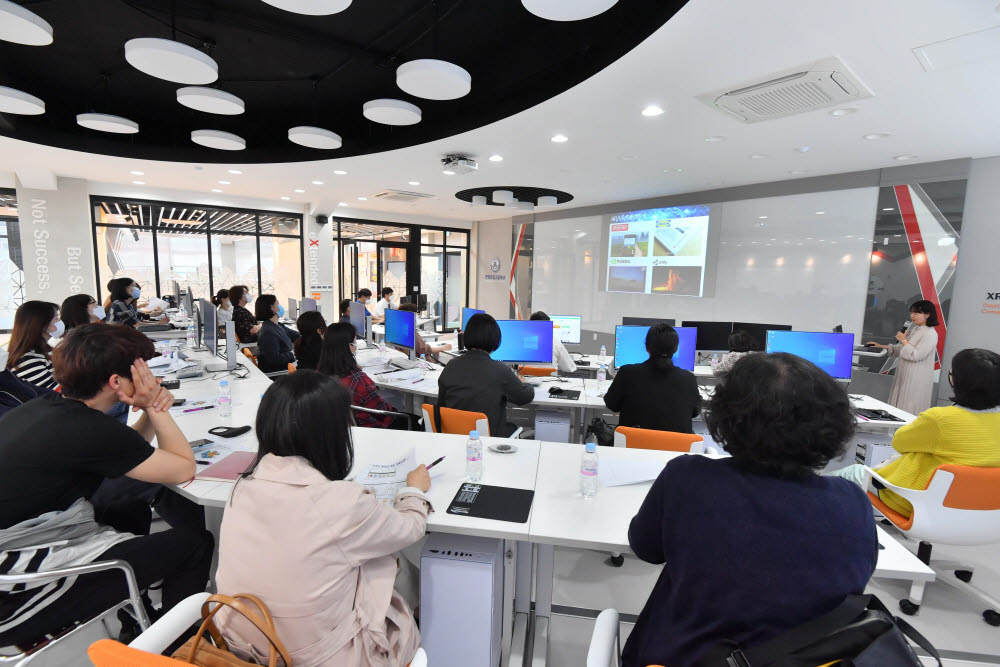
(967,433)
(345,310)
(477,383)
(740,345)
(776,543)
(655,394)
(311,326)
(423,347)
(74,448)
(332,596)
(223,308)
(80,309)
(337,360)
(29,355)
(125,292)
(246,325)
(275,340)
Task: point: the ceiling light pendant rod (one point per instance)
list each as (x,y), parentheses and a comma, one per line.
(173,20)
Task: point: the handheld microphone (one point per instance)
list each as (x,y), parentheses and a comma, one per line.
(906,326)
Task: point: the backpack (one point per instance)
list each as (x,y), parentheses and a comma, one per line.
(602,430)
(14,392)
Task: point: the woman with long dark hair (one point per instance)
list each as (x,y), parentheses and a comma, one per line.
(125,292)
(337,360)
(29,355)
(333,595)
(275,340)
(916,348)
(311,326)
(223,308)
(80,309)
(246,324)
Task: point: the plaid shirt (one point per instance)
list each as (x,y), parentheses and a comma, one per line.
(365,394)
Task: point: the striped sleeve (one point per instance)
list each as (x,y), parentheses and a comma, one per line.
(35,368)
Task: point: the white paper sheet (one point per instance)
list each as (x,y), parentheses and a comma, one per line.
(621,473)
(396,376)
(386,479)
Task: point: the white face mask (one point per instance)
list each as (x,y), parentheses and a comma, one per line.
(99,312)
(60,329)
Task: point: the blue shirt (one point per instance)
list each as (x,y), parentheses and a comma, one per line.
(748,556)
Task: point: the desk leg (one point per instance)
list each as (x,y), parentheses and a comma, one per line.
(544,568)
(522,605)
(213,523)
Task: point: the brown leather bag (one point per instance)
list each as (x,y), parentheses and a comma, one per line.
(206,654)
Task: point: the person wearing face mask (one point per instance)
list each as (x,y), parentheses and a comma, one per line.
(80,309)
(125,292)
(29,355)
(223,308)
(385,303)
(246,325)
(275,341)
(913,384)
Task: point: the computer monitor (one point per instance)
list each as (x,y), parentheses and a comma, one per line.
(524,341)
(466,314)
(189,302)
(357,315)
(645,321)
(759,331)
(293,309)
(630,346)
(422,302)
(567,328)
(232,351)
(177,295)
(833,352)
(405,300)
(401,328)
(711,335)
(307,304)
(210,331)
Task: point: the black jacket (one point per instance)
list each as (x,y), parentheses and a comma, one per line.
(275,344)
(658,400)
(475,382)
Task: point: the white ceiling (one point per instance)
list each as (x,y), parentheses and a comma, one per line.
(709,44)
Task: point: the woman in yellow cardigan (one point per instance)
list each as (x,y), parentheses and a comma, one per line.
(966,433)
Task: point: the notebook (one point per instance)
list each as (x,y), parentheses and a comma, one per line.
(492,502)
(228,469)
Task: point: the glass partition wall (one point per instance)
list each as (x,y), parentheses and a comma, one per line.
(202,248)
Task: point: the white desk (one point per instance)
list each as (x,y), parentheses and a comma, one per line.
(875,425)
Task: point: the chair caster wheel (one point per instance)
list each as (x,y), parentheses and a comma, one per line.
(908,607)
(616,561)
(992,618)
(964,575)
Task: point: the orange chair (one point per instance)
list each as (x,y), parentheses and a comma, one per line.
(109,653)
(536,371)
(291,367)
(455,421)
(246,351)
(666,441)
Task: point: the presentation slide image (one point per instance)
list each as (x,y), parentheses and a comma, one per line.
(630,244)
(627,279)
(681,280)
(685,237)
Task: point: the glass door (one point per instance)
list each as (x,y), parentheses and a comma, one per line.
(350,271)
(392,268)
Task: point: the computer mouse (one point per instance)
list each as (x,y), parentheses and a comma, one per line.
(555,391)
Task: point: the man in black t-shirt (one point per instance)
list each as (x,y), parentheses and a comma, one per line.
(59,448)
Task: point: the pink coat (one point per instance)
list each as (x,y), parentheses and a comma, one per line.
(321,555)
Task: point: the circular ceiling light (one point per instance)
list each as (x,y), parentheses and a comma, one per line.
(758,156)
(137,173)
(496,157)
(414,182)
(317,182)
(235,171)
(299,190)
(560,10)
(433,79)
(652,111)
(216,190)
(503,196)
(20,26)
(314,137)
(448,172)
(548,200)
(224,141)
(340,172)
(138,182)
(311,7)
(802,149)
(210,100)
(362,198)
(903,158)
(285,197)
(559,139)
(875,136)
(224,183)
(846,111)
(715,139)
(171,61)
(103,122)
(17,101)
(392,112)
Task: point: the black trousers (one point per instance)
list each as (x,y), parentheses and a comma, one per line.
(125,505)
(399,423)
(180,557)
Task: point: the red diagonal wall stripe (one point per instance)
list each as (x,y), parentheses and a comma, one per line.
(513,270)
(920,263)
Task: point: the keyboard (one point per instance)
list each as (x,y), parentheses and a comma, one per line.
(404,364)
(155,327)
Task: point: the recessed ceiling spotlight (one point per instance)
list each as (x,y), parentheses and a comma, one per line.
(652,111)
(20,26)
(317,182)
(433,79)
(342,203)
(314,137)
(802,149)
(413,182)
(224,183)
(797,171)
(340,172)
(171,61)
(285,198)
(845,111)
(235,171)
(103,122)
(820,212)
(311,7)
(875,136)
(762,217)
(216,190)
(758,156)
(210,100)
(298,190)
(628,158)
(559,138)
(362,198)
(225,141)
(677,170)
(496,157)
(138,182)
(715,139)
(138,173)
(392,112)
(905,157)
(448,172)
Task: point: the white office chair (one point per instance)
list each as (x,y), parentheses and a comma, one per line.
(387,413)
(605,642)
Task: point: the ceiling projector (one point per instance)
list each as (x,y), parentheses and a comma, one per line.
(458,164)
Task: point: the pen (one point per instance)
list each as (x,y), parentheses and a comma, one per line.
(435,463)
(417,380)
(206,407)
(204,463)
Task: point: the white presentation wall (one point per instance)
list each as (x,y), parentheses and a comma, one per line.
(799,259)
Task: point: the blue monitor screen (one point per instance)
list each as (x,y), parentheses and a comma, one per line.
(630,346)
(833,352)
(400,328)
(466,314)
(525,341)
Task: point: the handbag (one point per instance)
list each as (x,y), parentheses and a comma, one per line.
(216,653)
(602,430)
(860,632)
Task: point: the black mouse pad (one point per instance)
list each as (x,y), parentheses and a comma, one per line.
(492,502)
(567,394)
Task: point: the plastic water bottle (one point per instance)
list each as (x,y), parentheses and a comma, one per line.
(474,457)
(603,356)
(588,471)
(382,354)
(602,375)
(424,366)
(181,311)
(192,335)
(715,359)
(225,399)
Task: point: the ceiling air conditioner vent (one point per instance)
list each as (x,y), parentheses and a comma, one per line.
(822,84)
(401,196)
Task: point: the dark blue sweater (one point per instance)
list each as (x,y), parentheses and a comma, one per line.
(747,556)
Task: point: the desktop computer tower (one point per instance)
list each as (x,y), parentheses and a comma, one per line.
(461,600)
(552,425)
